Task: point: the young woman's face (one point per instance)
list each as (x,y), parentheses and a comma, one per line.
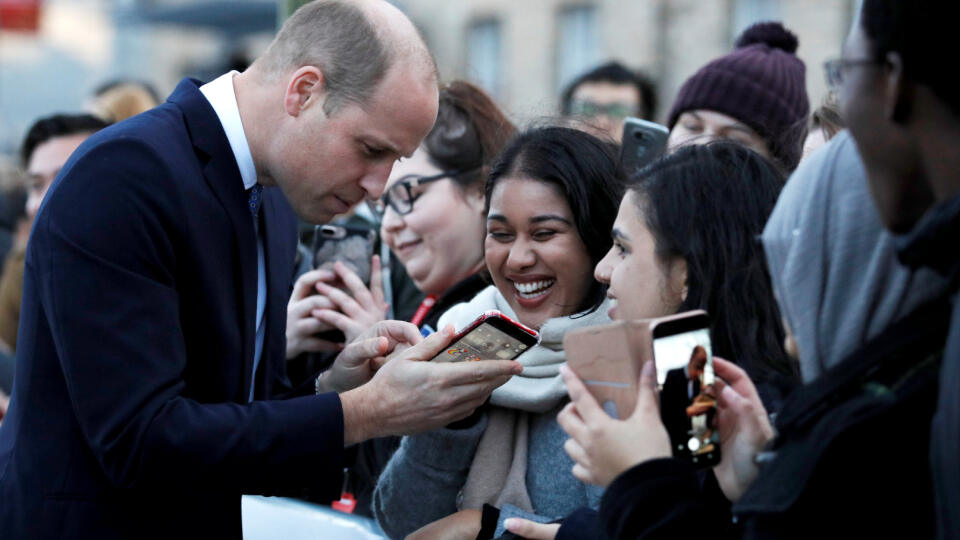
(640,285)
(534,252)
(440,242)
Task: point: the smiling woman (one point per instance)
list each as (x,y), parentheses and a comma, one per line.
(550,203)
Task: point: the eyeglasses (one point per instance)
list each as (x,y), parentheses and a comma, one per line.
(400,196)
(833,69)
(589,108)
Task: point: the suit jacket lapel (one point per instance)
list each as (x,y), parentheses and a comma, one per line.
(278,227)
(221,173)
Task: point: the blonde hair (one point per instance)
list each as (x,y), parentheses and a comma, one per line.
(123,101)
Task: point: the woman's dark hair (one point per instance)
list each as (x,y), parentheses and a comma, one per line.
(469,133)
(708,204)
(585,170)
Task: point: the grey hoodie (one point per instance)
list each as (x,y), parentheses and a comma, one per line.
(834,267)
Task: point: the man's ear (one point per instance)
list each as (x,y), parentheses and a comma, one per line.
(305,88)
(898,93)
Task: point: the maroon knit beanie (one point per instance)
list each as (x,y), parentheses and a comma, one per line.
(761,83)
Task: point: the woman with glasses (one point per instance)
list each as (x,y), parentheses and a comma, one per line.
(432,214)
(433,221)
(550,202)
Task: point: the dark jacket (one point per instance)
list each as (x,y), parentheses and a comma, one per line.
(129,416)
(933,243)
(850,457)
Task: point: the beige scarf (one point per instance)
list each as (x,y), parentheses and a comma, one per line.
(539,389)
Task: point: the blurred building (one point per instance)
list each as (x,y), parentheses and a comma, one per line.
(53,53)
(526,51)
(73,46)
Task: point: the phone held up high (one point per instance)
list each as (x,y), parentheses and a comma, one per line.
(683,357)
(491,336)
(643,141)
(351,245)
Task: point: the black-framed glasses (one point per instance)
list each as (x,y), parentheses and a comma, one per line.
(833,69)
(400,196)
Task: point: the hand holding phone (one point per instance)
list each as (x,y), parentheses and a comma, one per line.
(491,336)
(683,356)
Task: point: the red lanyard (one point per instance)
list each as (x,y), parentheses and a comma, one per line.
(422,311)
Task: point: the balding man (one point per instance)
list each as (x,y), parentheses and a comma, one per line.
(150,390)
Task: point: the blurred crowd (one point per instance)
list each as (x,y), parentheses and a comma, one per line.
(818,238)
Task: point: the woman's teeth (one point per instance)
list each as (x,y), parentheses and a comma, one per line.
(533,289)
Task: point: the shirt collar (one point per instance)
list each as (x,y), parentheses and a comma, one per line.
(222,97)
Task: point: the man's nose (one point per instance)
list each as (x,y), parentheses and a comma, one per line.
(375,180)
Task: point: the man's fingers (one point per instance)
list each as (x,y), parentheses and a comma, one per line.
(363,350)
(586,404)
(481,371)
(531,529)
(320,345)
(400,332)
(433,345)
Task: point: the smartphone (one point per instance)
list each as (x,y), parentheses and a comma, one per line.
(491,336)
(643,141)
(353,246)
(685,378)
(608,359)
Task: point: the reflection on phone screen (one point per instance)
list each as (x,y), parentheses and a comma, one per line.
(685,379)
(484,343)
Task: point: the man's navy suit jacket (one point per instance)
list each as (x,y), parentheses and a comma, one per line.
(129,415)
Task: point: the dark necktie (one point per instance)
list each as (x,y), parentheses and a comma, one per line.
(255,200)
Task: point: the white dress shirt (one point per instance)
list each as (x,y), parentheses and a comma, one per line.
(222,97)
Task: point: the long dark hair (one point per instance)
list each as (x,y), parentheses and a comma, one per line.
(708,204)
(585,170)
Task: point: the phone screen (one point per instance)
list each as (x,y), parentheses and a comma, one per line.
(485,342)
(685,379)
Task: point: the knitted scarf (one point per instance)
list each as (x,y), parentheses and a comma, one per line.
(539,389)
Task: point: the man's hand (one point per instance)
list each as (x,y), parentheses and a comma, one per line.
(743,427)
(462,525)
(602,447)
(525,528)
(410,394)
(359,360)
(302,326)
(353,313)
